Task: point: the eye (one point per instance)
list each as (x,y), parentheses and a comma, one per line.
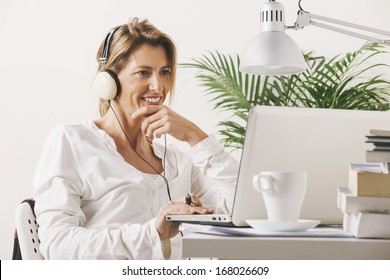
(165,72)
(143,73)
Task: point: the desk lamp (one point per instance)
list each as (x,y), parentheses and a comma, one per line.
(273,52)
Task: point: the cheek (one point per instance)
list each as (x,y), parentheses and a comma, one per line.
(129,90)
(167,86)
(127,96)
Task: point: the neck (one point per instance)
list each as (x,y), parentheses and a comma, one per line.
(130,141)
(122,128)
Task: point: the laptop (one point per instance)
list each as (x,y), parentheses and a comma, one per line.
(322,142)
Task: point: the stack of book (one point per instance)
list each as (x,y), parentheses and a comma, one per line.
(381,141)
(366,201)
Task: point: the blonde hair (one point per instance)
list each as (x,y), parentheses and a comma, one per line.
(125,40)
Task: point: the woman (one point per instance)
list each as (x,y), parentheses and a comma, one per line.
(103,187)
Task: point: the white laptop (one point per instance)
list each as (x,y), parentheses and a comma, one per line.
(322,142)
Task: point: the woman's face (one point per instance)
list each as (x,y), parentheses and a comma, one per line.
(145,79)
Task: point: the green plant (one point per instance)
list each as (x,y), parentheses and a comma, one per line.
(337,83)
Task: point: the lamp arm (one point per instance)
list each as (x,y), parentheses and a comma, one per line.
(306,18)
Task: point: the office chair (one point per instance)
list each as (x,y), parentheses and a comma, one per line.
(27,232)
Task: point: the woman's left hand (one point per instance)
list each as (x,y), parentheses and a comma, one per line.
(159,120)
(167,229)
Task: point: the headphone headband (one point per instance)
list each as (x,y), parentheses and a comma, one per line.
(106,83)
(106,45)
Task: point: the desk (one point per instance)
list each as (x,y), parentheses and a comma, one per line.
(198,245)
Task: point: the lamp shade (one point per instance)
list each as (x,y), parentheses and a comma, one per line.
(272,52)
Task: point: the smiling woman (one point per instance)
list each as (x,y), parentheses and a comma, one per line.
(146,78)
(103,188)
(135,39)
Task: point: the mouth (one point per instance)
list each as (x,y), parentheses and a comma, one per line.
(152,100)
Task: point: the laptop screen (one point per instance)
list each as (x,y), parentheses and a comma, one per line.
(322,142)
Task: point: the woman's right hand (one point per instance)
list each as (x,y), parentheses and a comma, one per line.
(177,207)
(159,120)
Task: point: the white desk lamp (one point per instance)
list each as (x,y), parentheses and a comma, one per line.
(273,52)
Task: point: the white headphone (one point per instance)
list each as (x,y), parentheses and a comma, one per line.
(106,84)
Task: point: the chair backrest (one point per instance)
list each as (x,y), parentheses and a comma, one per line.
(27,231)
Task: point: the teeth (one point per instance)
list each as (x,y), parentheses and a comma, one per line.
(152,100)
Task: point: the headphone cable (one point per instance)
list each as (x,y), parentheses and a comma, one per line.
(133,148)
(164,156)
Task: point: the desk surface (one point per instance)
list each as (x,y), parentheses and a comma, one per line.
(196,245)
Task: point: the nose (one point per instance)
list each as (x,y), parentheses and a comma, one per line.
(155,84)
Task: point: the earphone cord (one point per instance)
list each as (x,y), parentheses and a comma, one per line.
(164,155)
(133,148)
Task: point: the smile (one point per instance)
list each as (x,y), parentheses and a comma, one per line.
(152,99)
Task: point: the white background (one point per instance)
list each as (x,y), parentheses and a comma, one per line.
(47,62)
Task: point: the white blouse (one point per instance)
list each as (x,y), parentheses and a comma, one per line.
(92,204)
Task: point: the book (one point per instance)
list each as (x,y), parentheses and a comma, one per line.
(349,203)
(380,132)
(381,141)
(378,156)
(378,141)
(366,183)
(381,148)
(377,167)
(367,225)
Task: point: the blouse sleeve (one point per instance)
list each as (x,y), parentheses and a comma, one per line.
(58,191)
(215,179)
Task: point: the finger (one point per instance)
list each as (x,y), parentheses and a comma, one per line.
(157,115)
(152,119)
(200,210)
(150,140)
(149,134)
(156,128)
(146,129)
(184,209)
(165,129)
(146,111)
(195,200)
(177,207)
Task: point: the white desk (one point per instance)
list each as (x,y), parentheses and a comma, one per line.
(283,248)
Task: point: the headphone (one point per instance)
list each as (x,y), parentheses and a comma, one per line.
(106,84)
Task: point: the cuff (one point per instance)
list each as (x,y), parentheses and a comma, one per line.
(161,252)
(205,149)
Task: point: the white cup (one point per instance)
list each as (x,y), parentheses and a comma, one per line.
(283,193)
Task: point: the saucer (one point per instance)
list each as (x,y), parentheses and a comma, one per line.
(265,225)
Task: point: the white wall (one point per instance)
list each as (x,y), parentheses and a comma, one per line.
(47,61)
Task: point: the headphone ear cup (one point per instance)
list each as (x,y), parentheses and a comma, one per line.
(106,85)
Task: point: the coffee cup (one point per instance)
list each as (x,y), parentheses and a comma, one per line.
(283,193)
